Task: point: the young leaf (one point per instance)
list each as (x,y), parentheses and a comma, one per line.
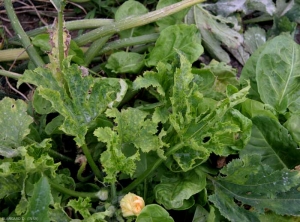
(81,99)
(154,213)
(132,133)
(277,73)
(176,192)
(125,62)
(272,142)
(82,205)
(292,125)
(251,182)
(39,202)
(14,126)
(183,37)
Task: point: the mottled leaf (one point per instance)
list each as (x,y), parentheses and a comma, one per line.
(82,205)
(14,126)
(132,133)
(80,99)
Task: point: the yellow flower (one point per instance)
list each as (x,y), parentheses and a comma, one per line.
(131,204)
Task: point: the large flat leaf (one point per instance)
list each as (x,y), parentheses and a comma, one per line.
(80,99)
(14,126)
(251,182)
(185,38)
(277,74)
(272,142)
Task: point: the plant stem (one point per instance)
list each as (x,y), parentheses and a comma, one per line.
(72,193)
(9,74)
(91,162)
(94,49)
(33,54)
(61,44)
(139,40)
(141,178)
(113,193)
(70,25)
(136,21)
(80,171)
(60,156)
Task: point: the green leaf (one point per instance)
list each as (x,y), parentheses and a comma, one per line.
(129,9)
(42,41)
(176,18)
(254,37)
(125,62)
(39,202)
(154,213)
(292,125)
(249,74)
(41,105)
(81,99)
(82,205)
(252,108)
(251,182)
(184,38)
(132,133)
(177,192)
(272,142)
(14,126)
(277,72)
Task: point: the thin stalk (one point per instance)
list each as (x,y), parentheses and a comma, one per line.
(61,48)
(34,55)
(70,25)
(135,21)
(60,156)
(113,193)
(141,178)
(259,19)
(91,162)
(94,49)
(19,54)
(72,193)
(80,171)
(9,74)
(139,40)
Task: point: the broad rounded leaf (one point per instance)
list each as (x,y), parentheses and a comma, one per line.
(185,38)
(154,213)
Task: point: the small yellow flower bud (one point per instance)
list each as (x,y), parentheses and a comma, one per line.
(131,204)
